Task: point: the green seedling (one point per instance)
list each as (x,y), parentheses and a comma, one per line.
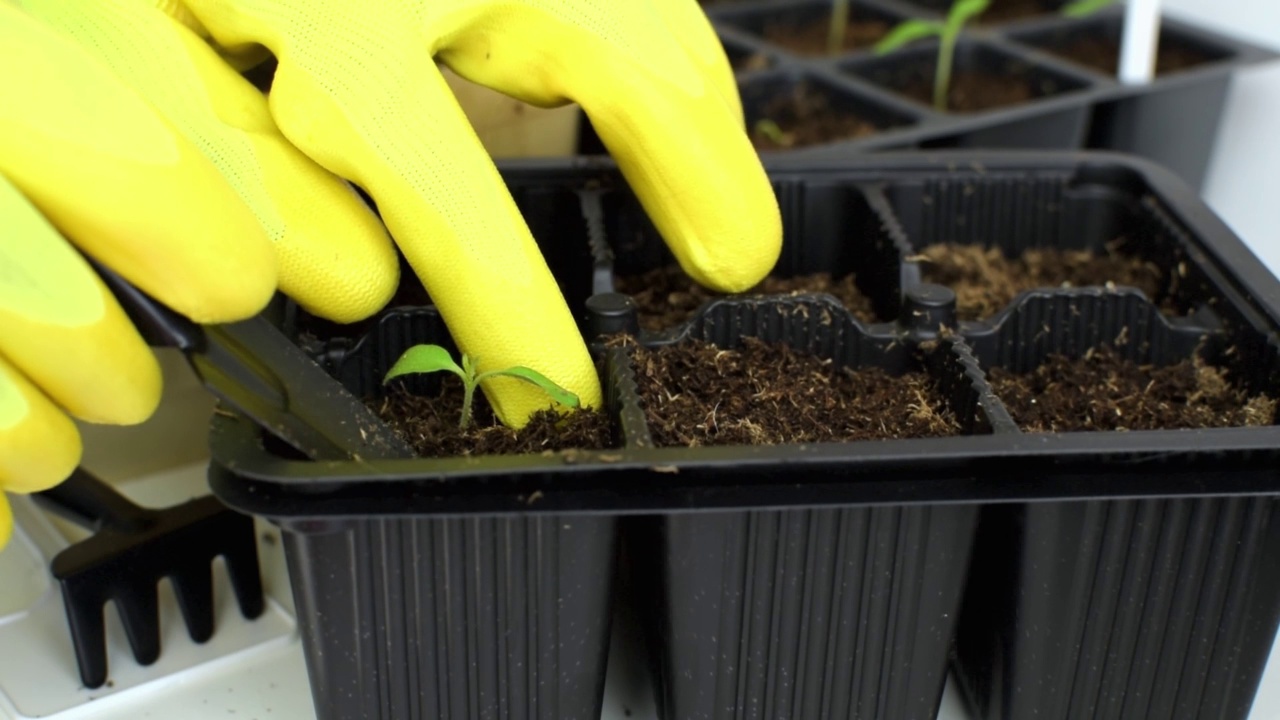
(839,21)
(1084,8)
(948,33)
(433,358)
(774,132)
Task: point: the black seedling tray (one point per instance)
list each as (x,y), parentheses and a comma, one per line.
(827,573)
(1172,121)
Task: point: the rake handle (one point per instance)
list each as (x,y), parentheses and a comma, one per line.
(92,504)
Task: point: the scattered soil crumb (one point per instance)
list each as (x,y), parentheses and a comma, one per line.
(1103,391)
(695,394)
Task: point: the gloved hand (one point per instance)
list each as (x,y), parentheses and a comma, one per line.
(358,91)
(84,156)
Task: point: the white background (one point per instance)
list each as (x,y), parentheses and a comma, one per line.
(1243,185)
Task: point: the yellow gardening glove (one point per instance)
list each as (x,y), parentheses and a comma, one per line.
(85,157)
(358,90)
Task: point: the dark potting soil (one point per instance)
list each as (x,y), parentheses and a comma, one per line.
(747,62)
(666,296)
(430,425)
(695,393)
(972,91)
(1103,391)
(1103,54)
(985,281)
(810,38)
(804,116)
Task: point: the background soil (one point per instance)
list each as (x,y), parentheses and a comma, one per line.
(804,116)
(811,38)
(985,281)
(971,91)
(1103,54)
(666,296)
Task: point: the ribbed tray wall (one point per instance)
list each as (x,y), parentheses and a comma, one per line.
(811,613)
(1124,610)
(835,612)
(504,618)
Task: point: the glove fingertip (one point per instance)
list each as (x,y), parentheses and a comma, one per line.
(39,444)
(342,302)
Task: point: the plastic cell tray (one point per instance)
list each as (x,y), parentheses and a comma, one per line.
(806,580)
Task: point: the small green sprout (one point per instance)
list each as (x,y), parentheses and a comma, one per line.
(839,21)
(948,33)
(1084,8)
(433,358)
(774,132)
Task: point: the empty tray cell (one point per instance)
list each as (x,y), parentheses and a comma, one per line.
(984,77)
(455,618)
(1119,609)
(1095,44)
(990,237)
(787,112)
(833,612)
(804,28)
(764,372)
(1096,360)
(1101,389)
(824,613)
(1116,609)
(829,231)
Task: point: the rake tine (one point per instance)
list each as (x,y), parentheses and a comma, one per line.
(131,550)
(88,634)
(241,556)
(140,613)
(193,586)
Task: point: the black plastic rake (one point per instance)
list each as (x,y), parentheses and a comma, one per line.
(253,368)
(131,550)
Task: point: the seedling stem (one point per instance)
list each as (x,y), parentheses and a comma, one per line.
(1084,8)
(839,22)
(948,33)
(433,358)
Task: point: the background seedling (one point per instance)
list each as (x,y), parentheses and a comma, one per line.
(839,21)
(433,358)
(947,31)
(1084,8)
